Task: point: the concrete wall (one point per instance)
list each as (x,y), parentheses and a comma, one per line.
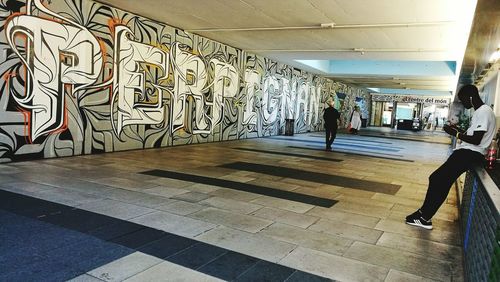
(79,77)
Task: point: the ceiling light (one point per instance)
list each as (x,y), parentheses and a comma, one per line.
(495,56)
(327,25)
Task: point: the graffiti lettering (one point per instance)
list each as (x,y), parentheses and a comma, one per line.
(136,103)
(53,58)
(314,100)
(270,99)
(252,82)
(301,102)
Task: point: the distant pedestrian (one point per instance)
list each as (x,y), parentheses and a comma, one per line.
(475,141)
(330,116)
(355,120)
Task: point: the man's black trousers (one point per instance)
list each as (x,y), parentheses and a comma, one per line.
(441,179)
(331,133)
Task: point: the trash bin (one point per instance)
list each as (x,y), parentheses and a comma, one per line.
(289,126)
(364,121)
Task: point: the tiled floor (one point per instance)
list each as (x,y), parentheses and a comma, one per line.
(268,209)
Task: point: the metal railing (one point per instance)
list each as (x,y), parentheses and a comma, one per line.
(480,223)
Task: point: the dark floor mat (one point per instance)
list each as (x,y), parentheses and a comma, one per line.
(336,150)
(322,178)
(289,154)
(34,250)
(344,144)
(287,195)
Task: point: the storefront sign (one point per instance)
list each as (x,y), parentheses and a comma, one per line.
(410,99)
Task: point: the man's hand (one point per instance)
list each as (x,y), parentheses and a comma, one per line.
(450,129)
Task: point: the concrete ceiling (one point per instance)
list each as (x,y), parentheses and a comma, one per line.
(414,46)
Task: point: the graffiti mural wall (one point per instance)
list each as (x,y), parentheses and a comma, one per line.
(79,77)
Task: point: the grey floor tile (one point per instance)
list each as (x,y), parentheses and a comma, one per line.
(192,197)
(231,205)
(176,224)
(125,267)
(162,271)
(307,238)
(180,207)
(399,260)
(332,266)
(345,230)
(242,222)
(85,278)
(399,276)
(116,209)
(286,217)
(255,245)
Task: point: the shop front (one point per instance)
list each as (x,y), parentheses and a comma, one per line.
(406,112)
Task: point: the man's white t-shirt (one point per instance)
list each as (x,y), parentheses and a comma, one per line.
(483,119)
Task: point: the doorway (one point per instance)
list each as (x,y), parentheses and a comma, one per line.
(381,114)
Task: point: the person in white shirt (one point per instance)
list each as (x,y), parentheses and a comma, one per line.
(355,120)
(469,153)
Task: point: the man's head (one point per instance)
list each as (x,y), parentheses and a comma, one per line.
(330,102)
(469,96)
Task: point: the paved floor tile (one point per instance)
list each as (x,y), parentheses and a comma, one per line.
(229,266)
(181,207)
(287,217)
(235,195)
(399,260)
(397,276)
(85,278)
(176,224)
(307,238)
(192,197)
(166,270)
(363,201)
(351,218)
(231,205)
(139,238)
(333,267)
(116,209)
(197,255)
(167,245)
(118,229)
(265,271)
(128,184)
(78,220)
(165,191)
(202,188)
(436,235)
(242,222)
(349,231)
(125,267)
(251,244)
(362,209)
(283,204)
(301,276)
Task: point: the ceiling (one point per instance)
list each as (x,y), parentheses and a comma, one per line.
(393,46)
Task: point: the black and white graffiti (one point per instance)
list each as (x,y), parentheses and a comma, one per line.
(79,77)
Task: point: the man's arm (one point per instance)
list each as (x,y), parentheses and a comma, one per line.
(474,139)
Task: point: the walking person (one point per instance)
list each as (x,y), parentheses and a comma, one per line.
(470,152)
(330,116)
(355,120)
